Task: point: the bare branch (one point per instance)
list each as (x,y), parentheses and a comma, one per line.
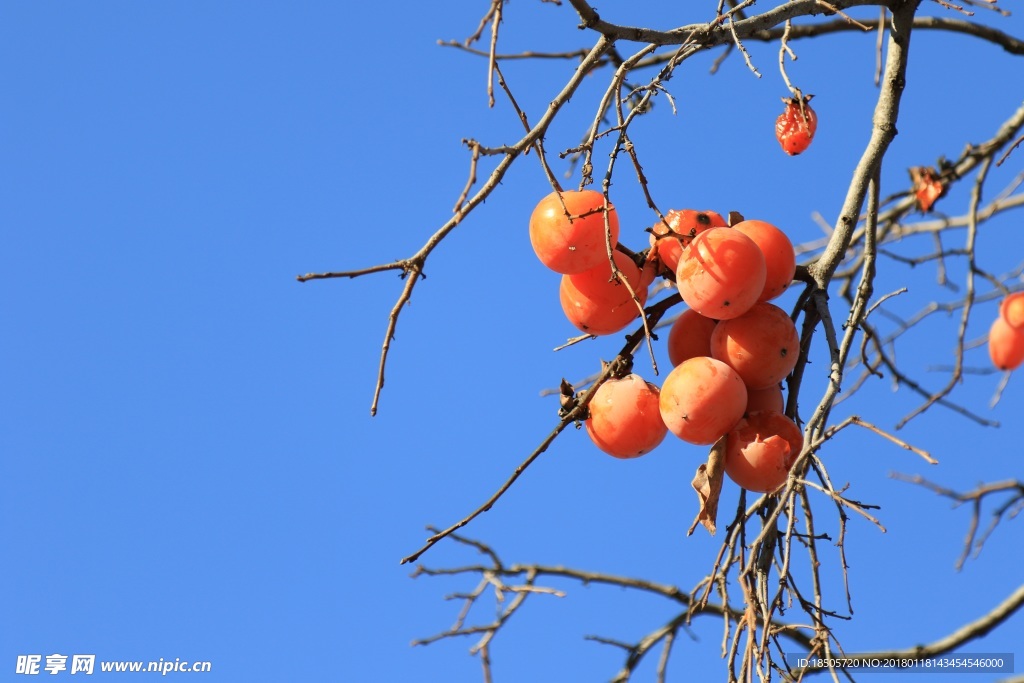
(578,412)
(976,497)
(965,634)
(414,265)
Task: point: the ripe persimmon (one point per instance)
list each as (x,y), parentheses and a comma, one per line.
(625,419)
(575,242)
(762,345)
(1005,345)
(683,225)
(1011,309)
(651,268)
(721,274)
(779,257)
(769,398)
(702,399)
(690,336)
(596,302)
(761,449)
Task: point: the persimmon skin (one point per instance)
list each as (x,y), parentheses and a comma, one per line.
(779,256)
(572,246)
(769,398)
(597,304)
(702,399)
(762,345)
(721,274)
(1011,309)
(625,419)
(690,336)
(761,449)
(651,269)
(1005,345)
(685,224)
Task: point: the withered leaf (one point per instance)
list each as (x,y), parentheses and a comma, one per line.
(707,482)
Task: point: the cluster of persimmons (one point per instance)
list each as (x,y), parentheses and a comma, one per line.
(730,349)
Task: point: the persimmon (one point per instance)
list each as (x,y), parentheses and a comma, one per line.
(651,269)
(721,274)
(690,336)
(927,187)
(1005,345)
(702,399)
(779,257)
(769,398)
(575,242)
(625,419)
(796,125)
(1011,309)
(762,345)
(761,449)
(596,302)
(683,225)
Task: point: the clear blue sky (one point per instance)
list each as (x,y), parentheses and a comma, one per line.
(188,464)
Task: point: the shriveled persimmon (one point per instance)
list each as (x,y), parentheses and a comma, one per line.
(927,187)
(690,336)
(762,345)
(625,418)
(779,257)
(683,225)
(702,399)
(573,242)
(1005,345)
(596,302)
(721,274)
(796,125)
(761,449)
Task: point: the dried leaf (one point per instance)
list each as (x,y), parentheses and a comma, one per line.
(566,398)
(707,482)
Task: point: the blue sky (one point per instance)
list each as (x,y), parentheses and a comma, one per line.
(189,465)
